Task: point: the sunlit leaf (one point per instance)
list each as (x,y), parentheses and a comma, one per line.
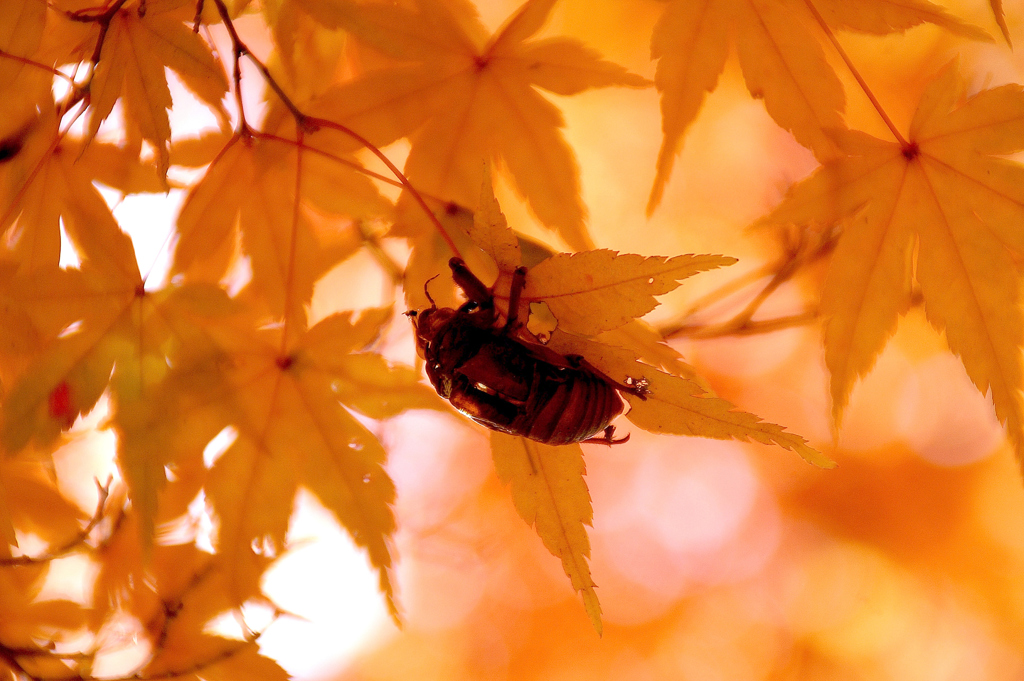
(781,57)
(550,495)
(463,101)
(598,291)
(944,211)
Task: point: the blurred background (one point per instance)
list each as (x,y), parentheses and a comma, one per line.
(714,560)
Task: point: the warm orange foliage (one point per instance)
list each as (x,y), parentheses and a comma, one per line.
(156,431)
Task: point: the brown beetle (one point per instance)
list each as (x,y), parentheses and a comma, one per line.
(507,384)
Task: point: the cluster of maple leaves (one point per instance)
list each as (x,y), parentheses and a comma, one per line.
(937,208)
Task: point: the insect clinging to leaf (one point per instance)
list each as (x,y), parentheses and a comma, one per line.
(510,385)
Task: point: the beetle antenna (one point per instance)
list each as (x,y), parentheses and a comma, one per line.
(426,292)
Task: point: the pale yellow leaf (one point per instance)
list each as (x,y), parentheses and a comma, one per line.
(522,24)
(184,51)
(690,43)
(209,214)
(491,232)
(118,168)
(568,67)
(343,466)
(784,64)
(949,197)
(363,381)
(679,406)
(888,16)
(551,496)
(461,102)
(997,12)
(596,291)
(251,488)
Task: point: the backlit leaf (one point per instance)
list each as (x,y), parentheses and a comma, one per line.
(951,200)
(461,102)
(781,57)
(491,232)
(550,495)
(597,291)
(136,49)
(679,405)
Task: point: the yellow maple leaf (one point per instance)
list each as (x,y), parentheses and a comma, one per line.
(67,378)
(124,341)
(30,502)
(463,97)
(490,230)
(42,187)
(888,16)
(22,86)
(943,208)
(118,167)
(364,381)
(601,290)
(140,41)
(782,61)
(156,416)
(997,12)
(290,430)
(260,188)
(679,405)
(199,586)
(24,619)
(550,494)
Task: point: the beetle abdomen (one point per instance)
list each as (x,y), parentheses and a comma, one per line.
(504,387)
(575,410)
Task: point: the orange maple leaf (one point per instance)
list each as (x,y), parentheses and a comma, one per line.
(24,617)
(22,85)
(140,41)
(290,430)
(48,182)
(782,61)
(941,208)
(463,97)
(550,494)
(269,193)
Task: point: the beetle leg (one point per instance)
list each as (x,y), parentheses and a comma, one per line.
(607,438)
(470,285)
(634,386)
(518,282)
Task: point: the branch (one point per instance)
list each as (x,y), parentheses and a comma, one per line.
(73,543)
(798,255)
(746,328)
(35,64)
(311,124)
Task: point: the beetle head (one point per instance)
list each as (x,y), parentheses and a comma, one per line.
(428,324)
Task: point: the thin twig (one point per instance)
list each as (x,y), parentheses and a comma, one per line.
(239,49)
(73,543)
(35,64)
(747,328)
(856,74)
(732,286)
(797,256)
(371,242)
